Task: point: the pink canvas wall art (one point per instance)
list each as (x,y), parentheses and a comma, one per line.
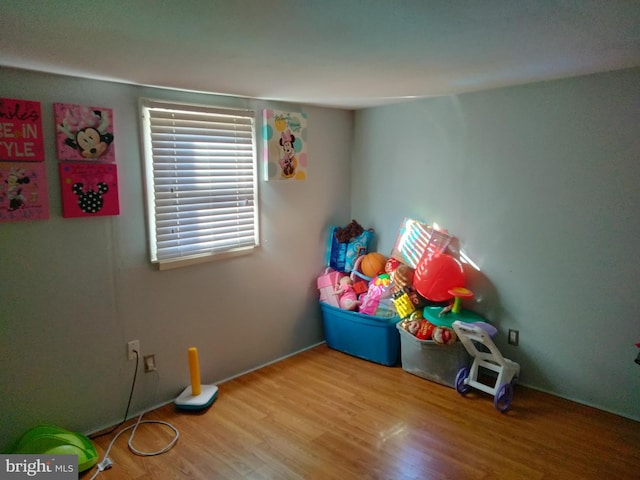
(21,137)
(84,133)
(23,191)
(89,189)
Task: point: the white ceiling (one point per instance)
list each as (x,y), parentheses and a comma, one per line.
(338,53)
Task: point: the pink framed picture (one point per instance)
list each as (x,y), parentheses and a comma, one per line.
(23,191)
(21,137)
(84,133)
(89,189)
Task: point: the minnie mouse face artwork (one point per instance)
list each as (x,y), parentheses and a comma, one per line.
(86,130)
(90,142)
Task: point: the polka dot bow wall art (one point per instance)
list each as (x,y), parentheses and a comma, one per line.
(285,145)
(89,189)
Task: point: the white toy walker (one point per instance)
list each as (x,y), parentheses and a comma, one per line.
(472,334)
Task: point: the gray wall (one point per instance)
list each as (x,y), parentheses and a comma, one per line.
(74,291)
(541,184)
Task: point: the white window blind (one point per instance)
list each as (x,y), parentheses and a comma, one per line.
(201,179)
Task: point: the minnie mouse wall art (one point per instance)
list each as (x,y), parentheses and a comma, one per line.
(84,133)
(23,191)
(288,162)
(285,145)
(89,189)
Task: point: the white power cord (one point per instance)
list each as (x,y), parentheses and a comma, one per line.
(106,462)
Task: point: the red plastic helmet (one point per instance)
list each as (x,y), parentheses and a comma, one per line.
(434,279)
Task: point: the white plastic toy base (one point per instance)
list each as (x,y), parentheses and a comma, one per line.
(187,401)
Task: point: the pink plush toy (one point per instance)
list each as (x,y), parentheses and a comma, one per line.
(348,299)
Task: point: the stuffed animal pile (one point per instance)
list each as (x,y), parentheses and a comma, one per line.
(353,230)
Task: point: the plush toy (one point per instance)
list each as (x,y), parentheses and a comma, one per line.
(413,322)
(444,336)
(411,326)
(425,332)
(347,296)
(352,230)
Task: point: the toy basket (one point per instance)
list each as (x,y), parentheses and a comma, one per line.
(428,360)
(365,336)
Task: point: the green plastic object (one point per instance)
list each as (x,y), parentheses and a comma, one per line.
(52,440)
(432,314)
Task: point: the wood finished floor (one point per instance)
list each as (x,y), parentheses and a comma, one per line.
(323,414)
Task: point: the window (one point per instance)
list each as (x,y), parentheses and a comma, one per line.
(201,182)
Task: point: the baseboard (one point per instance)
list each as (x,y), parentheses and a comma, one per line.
(580,402)
(153,407)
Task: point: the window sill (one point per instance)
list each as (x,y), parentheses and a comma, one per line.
(197,259)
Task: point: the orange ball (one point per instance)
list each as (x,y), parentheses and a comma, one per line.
(373,264)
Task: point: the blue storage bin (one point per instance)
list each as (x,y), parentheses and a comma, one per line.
(372,338)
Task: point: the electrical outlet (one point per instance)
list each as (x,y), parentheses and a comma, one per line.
(514,337)
(132,347)
(149,363)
